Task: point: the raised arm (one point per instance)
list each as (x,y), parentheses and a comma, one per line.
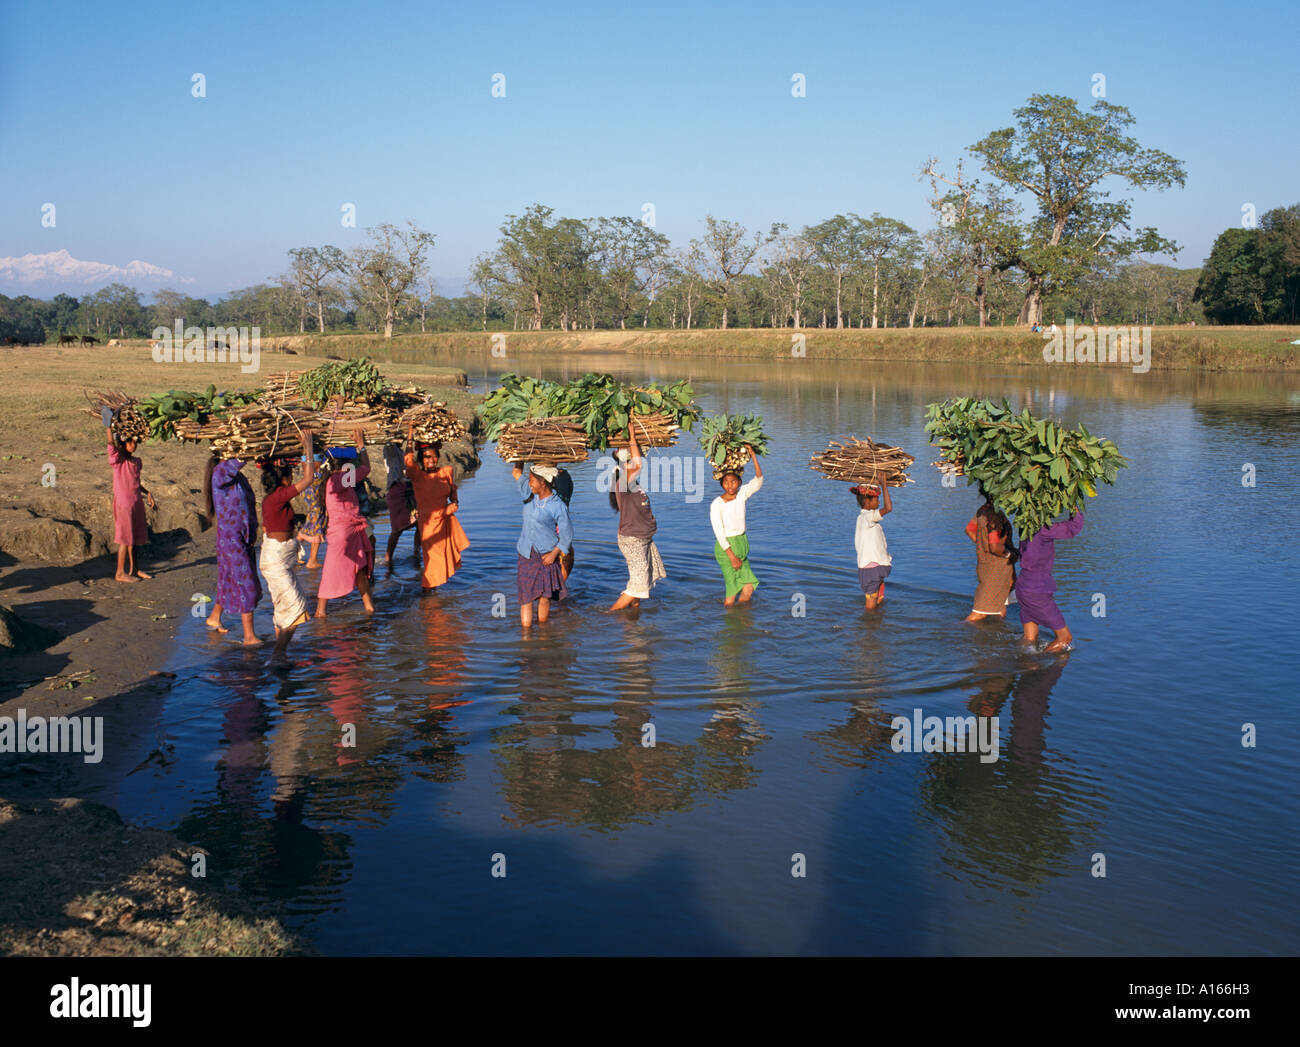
(309,464)
(758,468)
(1065,529)
(633,466)
(886,503)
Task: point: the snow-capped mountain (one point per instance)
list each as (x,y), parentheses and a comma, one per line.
(42,275)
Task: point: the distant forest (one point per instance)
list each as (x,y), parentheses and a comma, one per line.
(1039,237)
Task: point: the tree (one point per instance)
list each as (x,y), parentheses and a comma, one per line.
(879,238)
(1239,282)
(630,256)
(387,266)
(309,272)
(837,247)
(729,254)
(1062,157)
(793,258)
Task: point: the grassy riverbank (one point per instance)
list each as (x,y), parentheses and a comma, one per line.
(1172,348)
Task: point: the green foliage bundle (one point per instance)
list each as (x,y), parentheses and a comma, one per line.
(162,411)
(1033,470)
(357,379)
(722,435)
(600,403)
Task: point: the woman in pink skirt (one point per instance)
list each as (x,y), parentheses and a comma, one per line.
(129,527)
(349,554)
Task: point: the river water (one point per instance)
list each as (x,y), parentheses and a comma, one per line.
(480,749)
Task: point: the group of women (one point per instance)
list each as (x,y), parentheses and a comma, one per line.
(422,495)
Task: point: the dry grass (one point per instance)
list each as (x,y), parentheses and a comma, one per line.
(1173,348)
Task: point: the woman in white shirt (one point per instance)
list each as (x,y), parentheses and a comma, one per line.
(731,545)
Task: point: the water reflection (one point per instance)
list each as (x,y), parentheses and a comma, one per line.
(1022,818)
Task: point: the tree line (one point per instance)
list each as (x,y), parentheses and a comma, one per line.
(1034,234)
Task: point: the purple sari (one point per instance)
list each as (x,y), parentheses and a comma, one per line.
(238,586)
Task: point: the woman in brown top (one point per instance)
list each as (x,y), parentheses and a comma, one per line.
(995,559)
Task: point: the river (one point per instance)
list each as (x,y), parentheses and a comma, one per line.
(501,797)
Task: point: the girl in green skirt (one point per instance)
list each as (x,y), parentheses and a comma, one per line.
(731,545)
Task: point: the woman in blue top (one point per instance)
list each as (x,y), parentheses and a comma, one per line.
(546,537)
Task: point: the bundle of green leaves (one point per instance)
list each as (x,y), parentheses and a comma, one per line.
(357,379)
(600,403)
(724,433)
(164,410)
(1032,469)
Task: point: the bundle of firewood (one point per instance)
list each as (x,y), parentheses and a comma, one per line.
(434,423)
(283,388)
(656,429)
(543,440)
(735,462)
(266,432)
(863,461)
(128,423)
(189,429)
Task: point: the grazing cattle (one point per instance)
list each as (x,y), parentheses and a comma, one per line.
(67,339)
(114,341)
(89,339)
(291,352)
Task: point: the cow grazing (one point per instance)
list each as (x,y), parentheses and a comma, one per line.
(67,339)
(89,339)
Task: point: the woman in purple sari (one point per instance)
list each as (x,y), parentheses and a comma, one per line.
(231,502)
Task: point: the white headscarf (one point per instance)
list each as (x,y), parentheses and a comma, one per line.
(546,472)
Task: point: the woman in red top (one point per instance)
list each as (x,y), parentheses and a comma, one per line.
(279,549)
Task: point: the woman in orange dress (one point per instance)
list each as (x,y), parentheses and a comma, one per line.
(442,539)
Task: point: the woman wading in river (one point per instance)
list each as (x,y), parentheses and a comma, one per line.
(442,539)
(546,536)
(636,528)
(731,547)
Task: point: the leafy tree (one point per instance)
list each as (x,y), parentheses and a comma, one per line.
(729,251)
(385,268)
(1062,157)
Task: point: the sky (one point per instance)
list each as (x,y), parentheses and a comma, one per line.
(607,107)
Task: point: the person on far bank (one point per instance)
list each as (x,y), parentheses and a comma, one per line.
(731,544)
(129,526)
(1036,583)
(545,537)
(869,538)
(636,528)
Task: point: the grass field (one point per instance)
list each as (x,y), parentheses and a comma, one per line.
(1172,348)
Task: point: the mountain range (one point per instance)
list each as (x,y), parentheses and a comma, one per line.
(45,275)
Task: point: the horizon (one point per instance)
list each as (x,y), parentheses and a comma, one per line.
(719,129)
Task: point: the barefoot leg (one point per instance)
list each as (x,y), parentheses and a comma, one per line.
(746,591)
(526,615)
(1031,632)
(250,637)
(1062,640)
(214,619)
(363,587)
(543,608)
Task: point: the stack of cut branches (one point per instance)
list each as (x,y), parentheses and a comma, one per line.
(434,423)
(657,429)
(128,423)
(543,440)
(862,461)
(265,432)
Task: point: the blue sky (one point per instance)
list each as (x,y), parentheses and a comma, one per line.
(607,107)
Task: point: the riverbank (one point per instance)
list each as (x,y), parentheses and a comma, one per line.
(1172,348)
(55,489)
